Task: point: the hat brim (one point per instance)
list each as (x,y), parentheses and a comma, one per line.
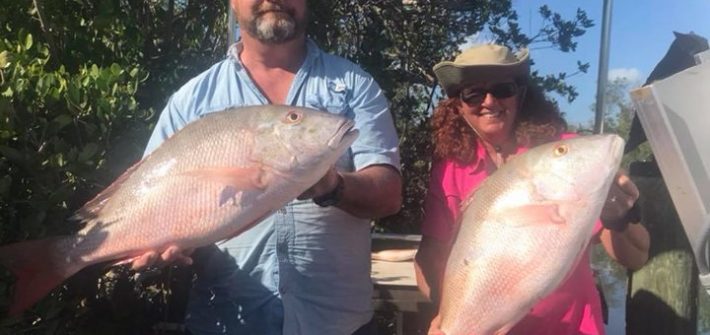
(453,77)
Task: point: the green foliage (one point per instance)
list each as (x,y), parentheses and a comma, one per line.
(58,131)
(617,119)
(80,83)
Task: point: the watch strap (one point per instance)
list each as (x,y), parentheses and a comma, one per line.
(333,197)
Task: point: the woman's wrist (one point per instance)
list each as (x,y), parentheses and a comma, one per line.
(633,215)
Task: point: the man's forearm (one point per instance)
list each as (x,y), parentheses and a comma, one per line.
(373,192)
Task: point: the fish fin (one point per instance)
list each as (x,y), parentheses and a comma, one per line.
(91,209)
(32,264)
(533,215)
(248,178)
(504,330)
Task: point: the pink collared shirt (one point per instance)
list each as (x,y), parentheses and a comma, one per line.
(573,308)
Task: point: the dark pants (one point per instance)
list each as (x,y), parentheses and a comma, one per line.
(369,328)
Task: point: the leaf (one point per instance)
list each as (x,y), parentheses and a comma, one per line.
(28,42)
(88,151)
(5,183)
(94,72)
(12,154)
(60,122)
(116,69)
(4,59)
(7,93)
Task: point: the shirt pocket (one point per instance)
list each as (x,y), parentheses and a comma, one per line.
(333,98)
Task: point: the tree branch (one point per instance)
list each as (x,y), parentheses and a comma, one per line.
(47,29)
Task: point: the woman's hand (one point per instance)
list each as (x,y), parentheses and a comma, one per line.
(624,239)
(621,198)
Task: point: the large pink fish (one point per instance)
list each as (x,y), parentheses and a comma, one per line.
(523,230)
(212,180)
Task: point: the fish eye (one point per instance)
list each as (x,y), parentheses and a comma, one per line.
(293,117)
(560,150)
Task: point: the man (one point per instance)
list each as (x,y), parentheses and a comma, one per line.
(305,269)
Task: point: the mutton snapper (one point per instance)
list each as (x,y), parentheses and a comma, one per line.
(523,230)
(210,181)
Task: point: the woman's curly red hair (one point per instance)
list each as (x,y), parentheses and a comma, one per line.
(538,121)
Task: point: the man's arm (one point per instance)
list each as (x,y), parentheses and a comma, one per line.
(373,192)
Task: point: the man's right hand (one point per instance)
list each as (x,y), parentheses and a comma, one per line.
(171,256)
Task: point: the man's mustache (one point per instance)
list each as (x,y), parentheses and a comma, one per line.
(272,7)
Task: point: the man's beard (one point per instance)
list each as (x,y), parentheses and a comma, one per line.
(274,30)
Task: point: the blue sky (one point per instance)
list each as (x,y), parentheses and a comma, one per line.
(641,32)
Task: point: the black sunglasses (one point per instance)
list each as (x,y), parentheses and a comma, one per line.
(475,96)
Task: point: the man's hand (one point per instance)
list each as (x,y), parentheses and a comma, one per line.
(171,256)
(323,186)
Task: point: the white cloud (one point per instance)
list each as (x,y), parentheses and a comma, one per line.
(631,75)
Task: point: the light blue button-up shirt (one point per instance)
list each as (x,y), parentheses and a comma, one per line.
(306,269)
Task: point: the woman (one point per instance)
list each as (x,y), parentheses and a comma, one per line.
(492,113)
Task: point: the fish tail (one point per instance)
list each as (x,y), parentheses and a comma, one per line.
(32,263)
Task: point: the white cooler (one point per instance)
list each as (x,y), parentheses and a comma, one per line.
(675,115)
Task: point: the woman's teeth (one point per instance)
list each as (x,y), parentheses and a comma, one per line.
(492,114)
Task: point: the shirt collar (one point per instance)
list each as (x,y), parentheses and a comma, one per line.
(312,52)
(481,155)
(479,163)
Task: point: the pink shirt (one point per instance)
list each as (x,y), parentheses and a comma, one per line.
(573,308)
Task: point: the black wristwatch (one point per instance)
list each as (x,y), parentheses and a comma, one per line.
(620,224)
(333,197)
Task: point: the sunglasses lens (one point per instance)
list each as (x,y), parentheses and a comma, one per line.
(505,90)
(475,96)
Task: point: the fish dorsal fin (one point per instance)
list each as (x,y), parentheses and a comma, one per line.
(91,209)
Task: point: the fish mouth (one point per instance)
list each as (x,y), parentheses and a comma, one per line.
(344,136)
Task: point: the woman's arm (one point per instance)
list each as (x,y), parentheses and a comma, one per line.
(429,264)
(628,247)
(626,242)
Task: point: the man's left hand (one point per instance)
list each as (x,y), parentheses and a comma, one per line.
(323,186)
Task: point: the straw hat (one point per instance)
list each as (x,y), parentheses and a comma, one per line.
(482,63)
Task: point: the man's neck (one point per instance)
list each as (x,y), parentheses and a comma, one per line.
(273,67)
(288,56)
